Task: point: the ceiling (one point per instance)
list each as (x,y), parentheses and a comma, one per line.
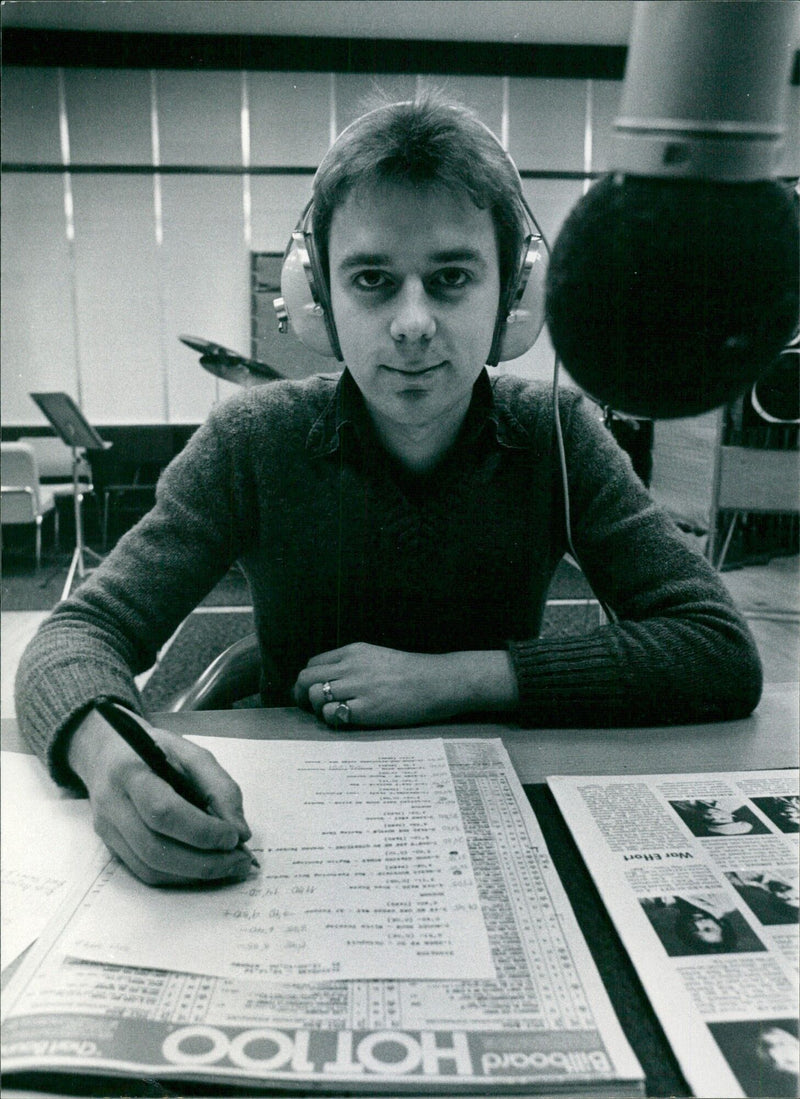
(574,22)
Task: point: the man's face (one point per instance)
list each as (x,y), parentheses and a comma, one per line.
(415,288)
(716,814)
(706,929)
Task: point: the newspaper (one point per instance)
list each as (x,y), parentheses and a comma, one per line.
(699,873)
(544,1024)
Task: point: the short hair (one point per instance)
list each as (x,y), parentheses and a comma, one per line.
(428,141)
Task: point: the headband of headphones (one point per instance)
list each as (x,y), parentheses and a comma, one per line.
(305,296)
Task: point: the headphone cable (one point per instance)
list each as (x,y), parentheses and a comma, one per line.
(562,461)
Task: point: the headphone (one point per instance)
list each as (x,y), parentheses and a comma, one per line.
(305,300)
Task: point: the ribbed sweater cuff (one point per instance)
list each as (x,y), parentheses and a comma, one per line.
(560,681)
(58,703)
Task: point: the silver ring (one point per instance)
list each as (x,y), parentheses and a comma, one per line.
(342,714)
(327,693)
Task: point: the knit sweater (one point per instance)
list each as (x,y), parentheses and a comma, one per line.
(339,544)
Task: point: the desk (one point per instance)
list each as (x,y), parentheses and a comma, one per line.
(768,739)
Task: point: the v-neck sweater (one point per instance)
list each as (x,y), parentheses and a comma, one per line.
(340,545)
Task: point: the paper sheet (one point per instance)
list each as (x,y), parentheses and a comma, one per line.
(46,842)
(544,1025)
(365,872)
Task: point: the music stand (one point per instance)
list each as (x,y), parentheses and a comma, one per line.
(78,434)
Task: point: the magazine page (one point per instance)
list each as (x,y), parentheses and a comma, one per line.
(699,873)
(543,1024)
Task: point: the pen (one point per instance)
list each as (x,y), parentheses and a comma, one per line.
(126,725)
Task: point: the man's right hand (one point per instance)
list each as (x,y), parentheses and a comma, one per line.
(160,837)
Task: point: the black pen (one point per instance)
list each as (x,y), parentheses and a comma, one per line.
(124,723)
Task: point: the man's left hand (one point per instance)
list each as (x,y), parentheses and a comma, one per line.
(387,687)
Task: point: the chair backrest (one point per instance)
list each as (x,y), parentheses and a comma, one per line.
(19,471)
(758,480)
(54,458)
(233,675)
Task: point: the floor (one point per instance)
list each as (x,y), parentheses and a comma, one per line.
(768,595)
(16,630)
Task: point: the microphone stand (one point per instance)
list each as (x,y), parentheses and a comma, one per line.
(78,564)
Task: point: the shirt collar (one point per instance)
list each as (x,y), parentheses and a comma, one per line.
(346,409)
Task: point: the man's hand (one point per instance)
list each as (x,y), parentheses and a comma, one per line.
(160,837)
(386,687)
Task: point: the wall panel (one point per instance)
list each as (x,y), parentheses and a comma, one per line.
(37,337)
(199,117)
(109,116)
(277,203)
(134,297)
(29,119)
(605,104)
(289,118)
(358,92)
(483,94)
(547,121)
(204,283)
(117,294)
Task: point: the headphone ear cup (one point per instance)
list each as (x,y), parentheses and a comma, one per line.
(521,327)
(305,299)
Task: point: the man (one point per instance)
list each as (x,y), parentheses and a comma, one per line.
(399,525)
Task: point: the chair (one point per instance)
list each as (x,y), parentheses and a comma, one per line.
(233,675)
(54,459)
(752,481)
(24,499)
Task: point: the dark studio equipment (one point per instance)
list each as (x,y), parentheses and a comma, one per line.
(673,284)
(229,365)
(776,394)
(78,434)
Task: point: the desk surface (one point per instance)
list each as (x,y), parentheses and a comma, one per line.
(768,739)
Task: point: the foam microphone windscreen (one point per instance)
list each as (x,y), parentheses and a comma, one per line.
(670,297)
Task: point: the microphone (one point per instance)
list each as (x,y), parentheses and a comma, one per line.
(673,284)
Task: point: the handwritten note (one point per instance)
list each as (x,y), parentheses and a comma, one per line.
(365,872)
(46,841)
